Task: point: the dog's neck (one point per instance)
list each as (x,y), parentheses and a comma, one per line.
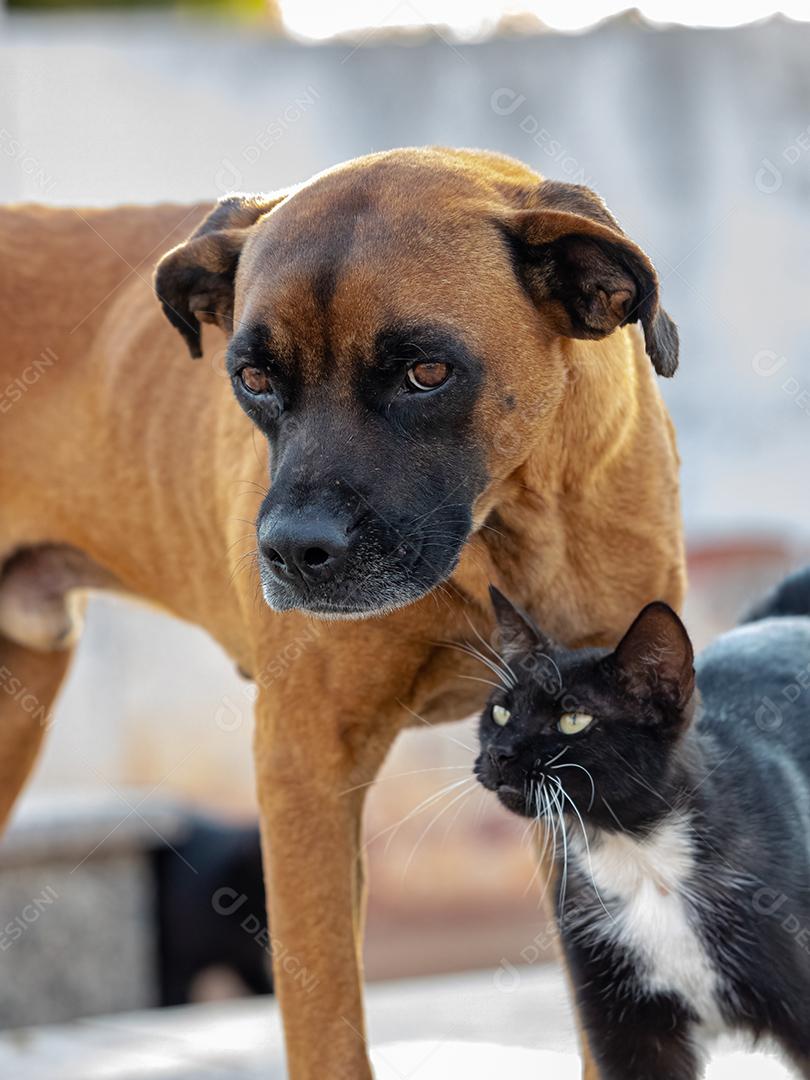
(574,485)
(593,425)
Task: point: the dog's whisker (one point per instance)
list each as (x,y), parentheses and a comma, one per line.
(241,540)
(241,564)
(253,483)
(489,528)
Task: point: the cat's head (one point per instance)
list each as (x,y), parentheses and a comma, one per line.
(595,725)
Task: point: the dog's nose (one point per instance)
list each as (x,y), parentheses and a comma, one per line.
(313,551)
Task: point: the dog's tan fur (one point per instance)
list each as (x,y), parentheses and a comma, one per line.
(123,465)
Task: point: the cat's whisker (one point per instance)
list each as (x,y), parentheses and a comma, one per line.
(573,765)
(427,723)
(399,776)
(429,826)
(634,775)
(426,804)
(557,757)
(469,649)
(496,661)
(539,822)
(551,826)
(610,810)
(587,848)
(553,663)
(532,822)
(449,826)
(536,823)
(559,805)
(487,682)
(423,805)
(499,659)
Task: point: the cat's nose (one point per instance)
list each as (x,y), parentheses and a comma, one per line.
(500,756)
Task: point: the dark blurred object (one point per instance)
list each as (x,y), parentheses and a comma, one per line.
(211,909)
(789,597)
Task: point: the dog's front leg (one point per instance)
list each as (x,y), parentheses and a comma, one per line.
(311,761)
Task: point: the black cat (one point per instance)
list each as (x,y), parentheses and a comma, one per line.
(681,822)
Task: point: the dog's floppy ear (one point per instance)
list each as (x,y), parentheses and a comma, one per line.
(575,261)
(195,281)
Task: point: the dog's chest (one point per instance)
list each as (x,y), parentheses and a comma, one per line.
(644,885)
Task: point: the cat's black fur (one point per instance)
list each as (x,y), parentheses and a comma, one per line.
(727,769)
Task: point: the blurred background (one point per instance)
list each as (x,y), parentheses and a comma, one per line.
(694,129)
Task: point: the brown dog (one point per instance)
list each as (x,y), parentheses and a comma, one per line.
(436,345)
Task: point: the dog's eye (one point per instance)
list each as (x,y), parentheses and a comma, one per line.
(574,722)
(428,374)
(500,715)
(255,380)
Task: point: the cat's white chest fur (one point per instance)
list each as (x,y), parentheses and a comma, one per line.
(642,884)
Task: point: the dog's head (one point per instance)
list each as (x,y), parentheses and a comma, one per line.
(396,329)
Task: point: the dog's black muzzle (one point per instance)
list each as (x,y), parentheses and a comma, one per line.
(334,553)
(360,520)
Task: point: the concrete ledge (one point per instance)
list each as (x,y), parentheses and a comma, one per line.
(465,1026)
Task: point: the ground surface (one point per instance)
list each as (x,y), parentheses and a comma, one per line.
(474,1026)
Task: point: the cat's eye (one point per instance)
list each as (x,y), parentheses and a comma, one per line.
(573,722)
(500,715)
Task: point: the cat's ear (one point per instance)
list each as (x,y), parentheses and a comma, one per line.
(518,634)
(655,657)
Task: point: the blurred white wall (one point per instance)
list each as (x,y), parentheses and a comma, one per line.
(698,140)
